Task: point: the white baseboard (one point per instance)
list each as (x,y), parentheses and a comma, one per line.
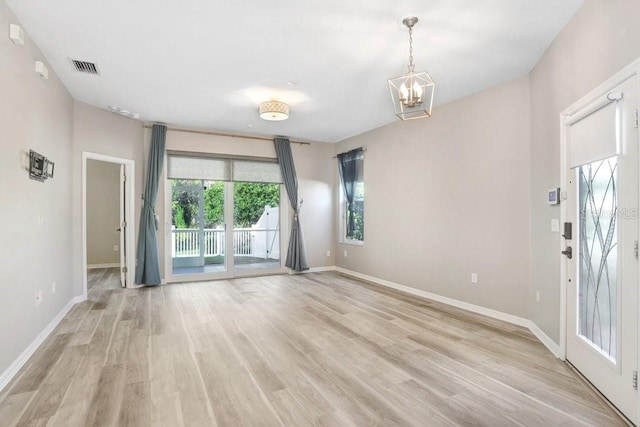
(321,269)
(510,318)
(311,270)
(13,369)
(110,265)
(544,338)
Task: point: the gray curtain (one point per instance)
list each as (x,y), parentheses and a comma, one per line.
(148,267)
(296,254)
(350,167)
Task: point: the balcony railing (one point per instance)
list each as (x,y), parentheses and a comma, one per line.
(208,242)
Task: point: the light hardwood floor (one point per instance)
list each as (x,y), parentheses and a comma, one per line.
(313,349)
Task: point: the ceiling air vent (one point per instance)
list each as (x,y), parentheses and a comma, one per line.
(85,67)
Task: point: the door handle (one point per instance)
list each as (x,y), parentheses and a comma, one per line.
(568,252)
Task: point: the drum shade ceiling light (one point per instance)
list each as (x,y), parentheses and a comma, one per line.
(274,110)
(412,93)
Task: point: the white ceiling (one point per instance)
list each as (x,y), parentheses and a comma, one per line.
(208,64)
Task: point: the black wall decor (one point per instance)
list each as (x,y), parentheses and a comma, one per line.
(40,168)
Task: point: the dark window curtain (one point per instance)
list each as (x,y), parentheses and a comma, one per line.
(350,167)
(296,254)
(148,266)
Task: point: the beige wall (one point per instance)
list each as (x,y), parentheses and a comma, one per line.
(316,175)
(601,39)
(469,207)
(103,212)
(34,114)
(449,196)
(314,165)
(101,132)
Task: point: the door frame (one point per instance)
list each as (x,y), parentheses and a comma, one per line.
(230,271)
(630,71)
(129,215)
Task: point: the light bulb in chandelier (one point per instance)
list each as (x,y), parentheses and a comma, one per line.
(412,96)
(417,91)
(403,94)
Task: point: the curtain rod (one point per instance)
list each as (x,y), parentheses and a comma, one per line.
(230,135)
(363,149)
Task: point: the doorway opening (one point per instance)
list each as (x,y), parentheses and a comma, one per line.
(108,217)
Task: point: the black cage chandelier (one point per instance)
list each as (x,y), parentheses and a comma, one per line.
(412,93)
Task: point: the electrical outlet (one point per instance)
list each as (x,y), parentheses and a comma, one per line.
(474,277)
(345,253)
(328,253)
(115,248)
(40,219)
(537,296)
(53,287)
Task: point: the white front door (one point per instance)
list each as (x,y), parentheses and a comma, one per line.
(601,169)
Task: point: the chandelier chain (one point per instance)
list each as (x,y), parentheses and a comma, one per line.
(411,50)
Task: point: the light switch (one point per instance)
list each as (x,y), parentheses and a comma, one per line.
(555,225)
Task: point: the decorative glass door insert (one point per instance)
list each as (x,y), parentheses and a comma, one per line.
(598,260)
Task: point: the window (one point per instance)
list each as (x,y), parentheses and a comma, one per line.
(351,168)
(358,213)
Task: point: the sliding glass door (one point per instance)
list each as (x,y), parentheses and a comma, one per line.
(225,218)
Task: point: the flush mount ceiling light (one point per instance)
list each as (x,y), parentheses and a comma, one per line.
(412,93)
(274,110)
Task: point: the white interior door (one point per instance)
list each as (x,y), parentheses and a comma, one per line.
(601,163)
(123,227)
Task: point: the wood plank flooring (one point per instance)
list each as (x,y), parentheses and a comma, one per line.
(315,349)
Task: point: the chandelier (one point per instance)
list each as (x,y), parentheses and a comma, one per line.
(412,93)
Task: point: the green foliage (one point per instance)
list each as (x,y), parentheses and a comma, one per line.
(249,202)
(358,213)
(358,218)
(250,199)
(178,216)
(184,203)
(214,205)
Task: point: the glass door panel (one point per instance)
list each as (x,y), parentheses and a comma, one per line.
(256,225)
(197,227)
(598,257)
